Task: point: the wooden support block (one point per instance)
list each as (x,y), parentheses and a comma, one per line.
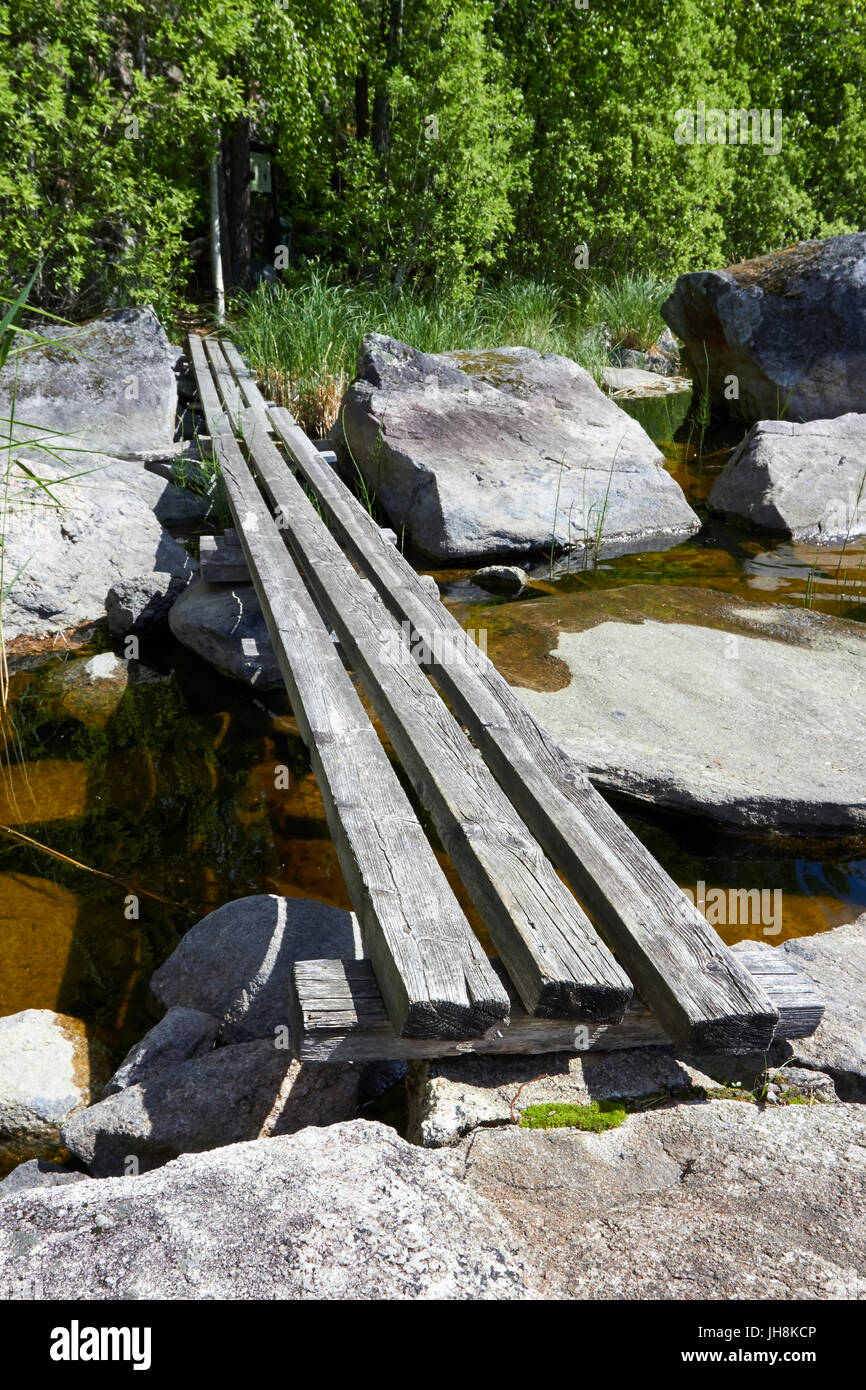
(222,559)
(336,1014)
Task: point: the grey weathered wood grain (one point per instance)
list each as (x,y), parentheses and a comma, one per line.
(221,559)
(432,972)
(705,999)
(336,1014)
(557,961)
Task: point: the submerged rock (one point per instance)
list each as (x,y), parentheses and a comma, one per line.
(781,335)
(502,452)
(49,1069)
(235,963)
(350,1212)
(232,1094)
(808,480)
(691,716)
(224,625)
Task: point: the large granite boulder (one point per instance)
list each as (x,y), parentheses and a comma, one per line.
(709,1200)
(235,963)
(350,1212)
(49,1069)
(63,559)
(225,626)
(226,1096)
(503,453)
(806,480)
(108,385)
(789,327)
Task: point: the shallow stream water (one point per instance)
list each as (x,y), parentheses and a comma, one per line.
(166,785)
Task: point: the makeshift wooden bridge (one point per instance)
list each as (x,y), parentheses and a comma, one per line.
(597,946)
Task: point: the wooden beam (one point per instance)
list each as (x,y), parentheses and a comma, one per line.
(221,559)
(705,999)
(558,963)
(336,1014)
(433,974)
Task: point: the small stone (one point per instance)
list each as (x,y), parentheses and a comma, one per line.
(47,1073)
(179,1035)
(501,578)
(38,1172)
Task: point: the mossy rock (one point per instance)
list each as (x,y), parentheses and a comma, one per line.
(597,1116)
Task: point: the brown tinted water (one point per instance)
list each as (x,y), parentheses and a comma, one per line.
(169,785)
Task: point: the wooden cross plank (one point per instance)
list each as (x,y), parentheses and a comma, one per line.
(336,1014)
(697,989)
(434,976)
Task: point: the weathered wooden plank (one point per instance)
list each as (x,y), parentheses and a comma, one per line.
(557,961)
(250,393)
(432,972)
(706,1000)
(336,1014)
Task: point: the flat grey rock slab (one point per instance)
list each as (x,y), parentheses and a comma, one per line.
(450,1098)
(502,453)
(235,963)
(48,1070)
(236,1093)
(806,480)
(225,626)
(108,384)
(717,1200)
(693,718)
(349,1212)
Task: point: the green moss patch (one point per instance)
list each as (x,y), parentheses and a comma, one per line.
(597,1116)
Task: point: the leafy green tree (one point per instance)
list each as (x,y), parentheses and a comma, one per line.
(428,166)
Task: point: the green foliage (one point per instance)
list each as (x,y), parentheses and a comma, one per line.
(429,147)
(595,1117)
(425,190)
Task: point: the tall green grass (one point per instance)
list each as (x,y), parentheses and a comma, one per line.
(303,338)
(630,307)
